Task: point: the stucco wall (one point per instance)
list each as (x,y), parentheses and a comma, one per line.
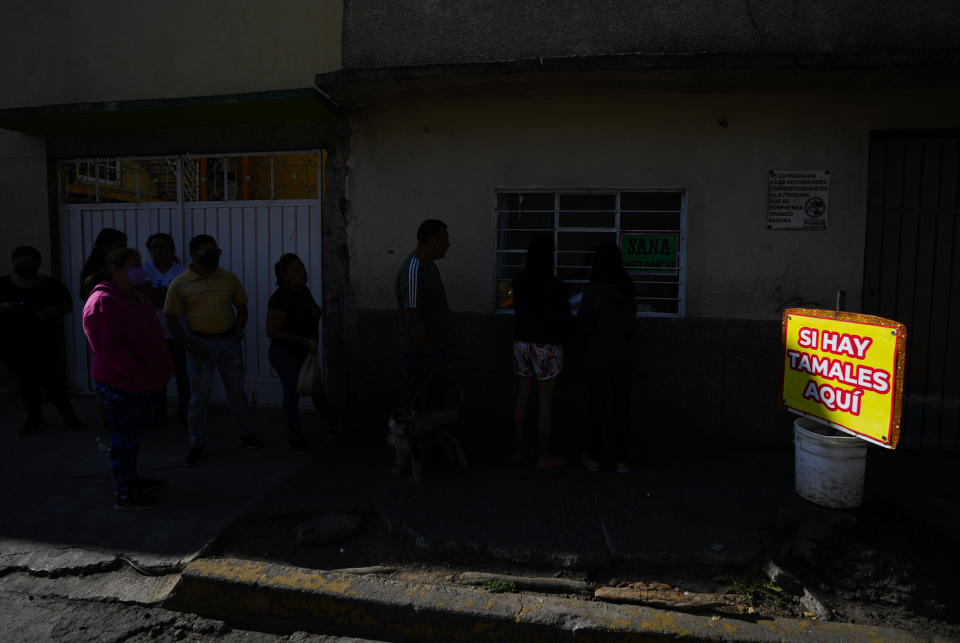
(414,32)
(704,381)
(23,197)
(56,52)
(446,159)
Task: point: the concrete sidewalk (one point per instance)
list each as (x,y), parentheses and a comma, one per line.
(56,494)
(682,507)
(685,509)
(224,544)
(402,571)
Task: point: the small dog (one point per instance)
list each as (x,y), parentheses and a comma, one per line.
(413,437)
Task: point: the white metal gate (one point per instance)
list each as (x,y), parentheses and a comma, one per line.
(252,233)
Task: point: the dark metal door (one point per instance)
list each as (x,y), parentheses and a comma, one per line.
(912,272)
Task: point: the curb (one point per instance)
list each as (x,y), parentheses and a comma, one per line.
(281,598)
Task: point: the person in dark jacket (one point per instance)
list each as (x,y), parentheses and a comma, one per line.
(542,326)
(606,322)
(293,326)
(32,308)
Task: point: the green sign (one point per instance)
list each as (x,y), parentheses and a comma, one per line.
(650,254)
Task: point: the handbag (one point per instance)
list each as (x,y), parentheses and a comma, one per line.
(309,375)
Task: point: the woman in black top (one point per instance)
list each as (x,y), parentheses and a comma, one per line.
(542,325)
(293,320)
(31,337)
(607,322)
(108,240)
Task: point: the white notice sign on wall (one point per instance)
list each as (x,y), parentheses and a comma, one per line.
(797,199)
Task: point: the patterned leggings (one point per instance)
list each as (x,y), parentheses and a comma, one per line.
(128,412)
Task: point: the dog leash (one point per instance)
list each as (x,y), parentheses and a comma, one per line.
(420,390)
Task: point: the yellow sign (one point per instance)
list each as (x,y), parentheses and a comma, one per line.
(845,369)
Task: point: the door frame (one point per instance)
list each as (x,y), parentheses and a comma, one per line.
(260,220)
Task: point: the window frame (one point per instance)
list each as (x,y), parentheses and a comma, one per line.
(184,169)
(111,163)
(681,233)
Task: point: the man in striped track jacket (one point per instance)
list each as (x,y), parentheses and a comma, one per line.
(424,315)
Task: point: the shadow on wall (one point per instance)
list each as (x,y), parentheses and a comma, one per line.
(709,381)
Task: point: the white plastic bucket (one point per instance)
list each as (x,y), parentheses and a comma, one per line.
(830,465)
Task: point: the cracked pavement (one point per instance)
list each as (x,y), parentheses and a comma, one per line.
(32,618)
(566,518)
(61,539)
(56,499)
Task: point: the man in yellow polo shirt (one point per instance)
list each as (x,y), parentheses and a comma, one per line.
(214,305)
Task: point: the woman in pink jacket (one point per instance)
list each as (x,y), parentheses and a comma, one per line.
(130,361)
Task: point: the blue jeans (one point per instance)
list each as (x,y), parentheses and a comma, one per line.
(423,378)
(179,355)
(225,355)
(128,414)
(287,365)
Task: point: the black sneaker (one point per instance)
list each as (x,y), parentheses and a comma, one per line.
(135,502)
(299,445)
(149,484)
(339,431)
(250,441)
(104,443)
(31,426)
(194,456)
(73,422)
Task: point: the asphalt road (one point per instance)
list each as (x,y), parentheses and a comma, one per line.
(25,618)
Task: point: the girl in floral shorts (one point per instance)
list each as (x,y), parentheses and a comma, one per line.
(542,325)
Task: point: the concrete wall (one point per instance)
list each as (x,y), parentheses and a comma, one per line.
(446,159)
(413,32)
(56,52)
(23,196)
(702,381)
(23,199)
(710,377)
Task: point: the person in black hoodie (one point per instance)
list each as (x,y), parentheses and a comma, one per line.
(542,326)
(606,322)
(32,308)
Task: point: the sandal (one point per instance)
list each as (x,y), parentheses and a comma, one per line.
(550,462)
(590,463)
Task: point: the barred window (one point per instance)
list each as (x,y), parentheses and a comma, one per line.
(98,171)
(648,225)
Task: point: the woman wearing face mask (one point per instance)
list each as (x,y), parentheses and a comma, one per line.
(31,337)
(130,362)
(162,270)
